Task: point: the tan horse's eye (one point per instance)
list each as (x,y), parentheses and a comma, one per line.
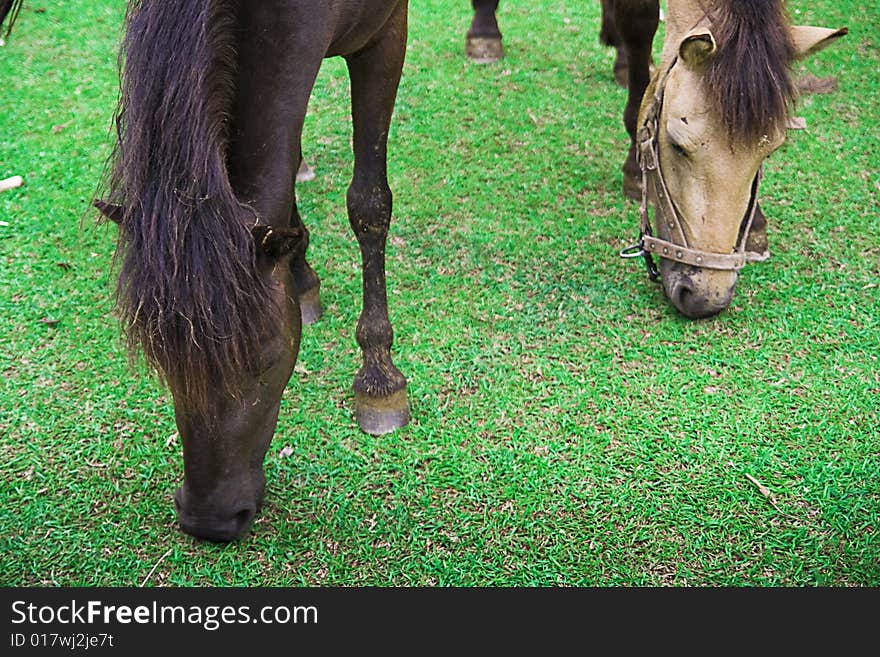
(678,148)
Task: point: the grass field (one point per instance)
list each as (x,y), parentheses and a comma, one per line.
(569,428)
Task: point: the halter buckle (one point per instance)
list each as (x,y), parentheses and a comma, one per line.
(647,158)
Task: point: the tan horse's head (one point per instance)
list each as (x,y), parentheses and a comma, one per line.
(717,107)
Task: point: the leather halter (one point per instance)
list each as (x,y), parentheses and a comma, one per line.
(677,248)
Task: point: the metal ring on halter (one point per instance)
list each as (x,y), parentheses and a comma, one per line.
(633,251)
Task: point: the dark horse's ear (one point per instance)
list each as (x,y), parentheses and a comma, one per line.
(110,210)
(276,242)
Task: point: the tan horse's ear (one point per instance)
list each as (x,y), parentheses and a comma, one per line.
(807,39)
(697,47)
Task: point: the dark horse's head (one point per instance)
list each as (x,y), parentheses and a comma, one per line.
(226,347)
(204,287)
(717,107)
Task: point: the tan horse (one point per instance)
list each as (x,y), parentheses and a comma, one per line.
(716,107)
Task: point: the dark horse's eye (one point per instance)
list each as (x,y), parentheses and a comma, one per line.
(267,363)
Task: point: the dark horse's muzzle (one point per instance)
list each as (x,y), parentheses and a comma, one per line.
(213,521)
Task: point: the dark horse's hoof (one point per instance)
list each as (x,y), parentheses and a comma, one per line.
(378,415)
(621,68)
(484,50)
(310,305)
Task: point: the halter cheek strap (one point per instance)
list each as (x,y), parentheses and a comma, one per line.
(677,248)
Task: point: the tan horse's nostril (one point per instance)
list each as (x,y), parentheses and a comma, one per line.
(681,292)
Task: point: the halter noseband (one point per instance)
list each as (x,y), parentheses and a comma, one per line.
(648,158)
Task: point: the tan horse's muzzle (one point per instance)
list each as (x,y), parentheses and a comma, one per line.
(697,293)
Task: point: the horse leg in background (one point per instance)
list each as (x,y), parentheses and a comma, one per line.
(305,280)
(483,42)
(381,404)
(636,22)
(608,36)
(757,244)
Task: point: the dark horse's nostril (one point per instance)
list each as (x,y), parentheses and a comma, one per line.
(243,518)
(233,528)
(215,527)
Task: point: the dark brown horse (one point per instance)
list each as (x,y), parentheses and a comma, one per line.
(213,279)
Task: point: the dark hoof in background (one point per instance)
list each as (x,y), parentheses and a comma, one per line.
(310,306)
(380,415)
(757,256)
(484,50)
(621,68)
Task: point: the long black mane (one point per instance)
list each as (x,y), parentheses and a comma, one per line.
(749,79)
(188,292)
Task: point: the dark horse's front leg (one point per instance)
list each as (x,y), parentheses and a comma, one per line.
(483,41)
(636,22)
(381,404)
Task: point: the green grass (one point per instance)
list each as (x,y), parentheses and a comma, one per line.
(569,428)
